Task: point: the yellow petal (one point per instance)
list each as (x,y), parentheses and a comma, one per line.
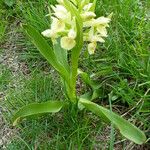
(97,38)
(102,30)
(88,23)
(72,34)
(48,33)
(101,20)
(57,25)
(92,47)
(60,12)
(59,8)
(88,15)
(67,43)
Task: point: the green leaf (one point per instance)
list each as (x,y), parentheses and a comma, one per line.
(45,49)
(61,55)
(37,108)
(127,129)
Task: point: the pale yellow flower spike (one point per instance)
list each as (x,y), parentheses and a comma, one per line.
(64,25)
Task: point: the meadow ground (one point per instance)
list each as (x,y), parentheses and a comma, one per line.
(121,66)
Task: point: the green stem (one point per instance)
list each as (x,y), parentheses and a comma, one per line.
(75,51)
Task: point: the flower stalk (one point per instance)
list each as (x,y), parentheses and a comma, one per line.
(74,22)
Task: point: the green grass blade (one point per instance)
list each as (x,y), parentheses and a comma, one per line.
(127,129)
(37,108)
(45,49)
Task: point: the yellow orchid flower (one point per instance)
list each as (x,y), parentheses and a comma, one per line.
(68,42)
(92,47)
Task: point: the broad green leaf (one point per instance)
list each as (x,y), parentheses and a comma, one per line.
(61,55)
(45,49)
(37,108)
(127,129)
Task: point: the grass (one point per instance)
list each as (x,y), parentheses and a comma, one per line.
(121,66)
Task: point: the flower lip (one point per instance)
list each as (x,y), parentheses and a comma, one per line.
(67,43)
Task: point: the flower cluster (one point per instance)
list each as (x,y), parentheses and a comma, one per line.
(64,25)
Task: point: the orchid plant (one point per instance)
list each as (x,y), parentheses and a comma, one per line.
(74,22)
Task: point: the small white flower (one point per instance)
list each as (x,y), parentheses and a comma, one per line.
(67,43)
